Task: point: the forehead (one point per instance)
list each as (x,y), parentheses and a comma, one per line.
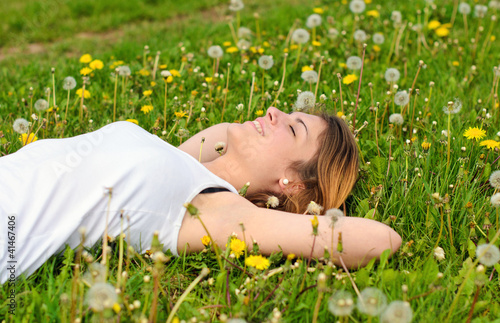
(315,124)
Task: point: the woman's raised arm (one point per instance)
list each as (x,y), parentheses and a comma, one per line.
(212,135)
(223,214)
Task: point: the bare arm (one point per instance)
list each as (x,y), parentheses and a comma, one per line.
(222,213)
(212,135)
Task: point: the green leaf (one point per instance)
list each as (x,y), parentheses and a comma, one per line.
(370,214)
(389,275)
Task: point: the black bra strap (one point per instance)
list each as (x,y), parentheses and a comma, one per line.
(214,190)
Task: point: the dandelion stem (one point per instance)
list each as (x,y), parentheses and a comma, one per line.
(81,102)
(67,105)
(165,107)
(105,234)
(376,133)
(155,66)
(299,50)
(350,278)
(316,307)
(251,95)
(340,92)
(114,99)
(120,255)
(449,142)
(308,263)
(454,14)
(319,78)
(54,88)
(282,80)
(440,228)
(465,26)
(226,91)
(203,273)
(471,311)
(359,88)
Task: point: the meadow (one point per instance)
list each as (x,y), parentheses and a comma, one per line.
(418,84)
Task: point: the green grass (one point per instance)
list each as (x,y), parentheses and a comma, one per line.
(402,191)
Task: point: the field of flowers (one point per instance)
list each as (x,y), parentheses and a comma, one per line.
(418,83)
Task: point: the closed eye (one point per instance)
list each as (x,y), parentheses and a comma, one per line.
(293,131)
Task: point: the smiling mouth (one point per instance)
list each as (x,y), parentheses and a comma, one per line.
(259,127)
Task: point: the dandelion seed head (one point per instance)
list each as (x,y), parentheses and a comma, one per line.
(314,208)
(41,105)
(333,33)
(165,74)
(334,214)
(494,4)
(273,202)
(396,16)
(124,70)
(21,125)
(354,62)
(243,44)
(480,11)
(300,36)
(495,179)
(360,36)
(392,75)
(244,32)
(495,200)
(101,296)
(401,98)
(357,6)
(69,83)
(236,5)
(396,119)
(439,253)
(488,254)
(464,8)
(372,301)
(378,38)
(341,303)
(266,62)
(215,51)
(310,76)
(305,101)
(397,312)
(453,107)
(313,20)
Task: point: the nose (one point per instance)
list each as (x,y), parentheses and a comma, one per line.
(273,115)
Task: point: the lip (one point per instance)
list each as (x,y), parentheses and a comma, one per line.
(261,122)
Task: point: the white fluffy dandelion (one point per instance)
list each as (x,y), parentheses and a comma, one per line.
(215,51)
(165,74)
(41,105)
(464,8)
(480,11)
(360,35)
(266,62)
(101,296)
(488,254)
(21,125)
(313,20)
(494,4)
(314,208)
(332,33)
(305,101)
(396,118)
(495,200)
(310,76)
(357,6)
(243,44)
(334,215)
(244,32)
(392,75)
(273,202)
(354,62)
(236,5)
(378,38)
(495,179)
(401,98)
(372,301)
(453,108)
(300,36)
(69,83)
(397,312)
(396,17)
(341,303)
(439,253)
(124,70)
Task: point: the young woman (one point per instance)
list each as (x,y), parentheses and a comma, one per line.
(123,176)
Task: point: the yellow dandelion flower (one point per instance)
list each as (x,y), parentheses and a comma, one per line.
(368,1)
(294,47)
(96,64)
(447,25)
(373,13)
(285,50)
(170,79)
(24,139)
(144,72)
(232,49)
(426,145)
(343,65)
(133,121)
(290,256)
(340,114)
(208,79)
(147,92)
(259,113)
(344,1)
(490,144)
(258,262)
(226,44)
(85,71)
(163,66)
(86,59)
(455,63)
(237,247)
(315,222)
(175,73)
(153,83)
(146,108)
(306,68)
(319,11)
(349,79)
(194,92)
(433,24)
(266,44)
(180,114)
(260,50)
(205,240)
(442,31)
(492,38)
(86,95)
(474,133)
(316,43)
(376,48)
(116,308)
(253,49)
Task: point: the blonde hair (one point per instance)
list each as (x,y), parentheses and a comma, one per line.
(328,177)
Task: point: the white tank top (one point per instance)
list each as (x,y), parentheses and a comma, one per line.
(53,187)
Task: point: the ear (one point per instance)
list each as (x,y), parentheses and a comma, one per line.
(293,187)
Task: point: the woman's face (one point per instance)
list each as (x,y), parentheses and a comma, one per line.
(267,146)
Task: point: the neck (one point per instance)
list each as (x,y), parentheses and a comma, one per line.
(230,171)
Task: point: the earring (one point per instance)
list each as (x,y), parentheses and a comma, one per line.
(285,181)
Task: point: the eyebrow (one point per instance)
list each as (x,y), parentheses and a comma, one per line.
(303,123)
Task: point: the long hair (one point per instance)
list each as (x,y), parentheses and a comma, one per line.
(328,177)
